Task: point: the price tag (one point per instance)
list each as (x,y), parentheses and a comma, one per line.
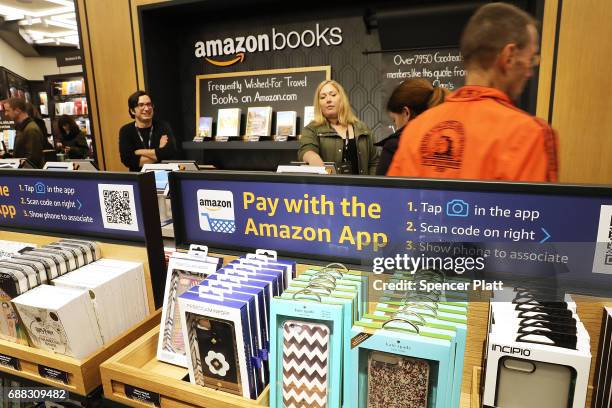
(138,394)
(53,374)
(9,361)
(280,138)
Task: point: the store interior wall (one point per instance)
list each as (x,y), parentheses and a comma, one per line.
(582,104)
(31,68)
(170,67)
(105,29)
(578,116)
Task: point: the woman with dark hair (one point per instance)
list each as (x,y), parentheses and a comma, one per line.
(408,100)
(72,140)
(35,115)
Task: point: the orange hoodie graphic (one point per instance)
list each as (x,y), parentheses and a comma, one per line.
(477,134)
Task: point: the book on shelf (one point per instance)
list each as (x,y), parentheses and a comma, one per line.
(228,122)
(44,110)
(259,121)
(48,125)
(204,128)
(285,123)
(78,106)
(308,115)
(71,87)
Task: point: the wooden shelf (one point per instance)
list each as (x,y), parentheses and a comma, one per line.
(83,375)
(77,95)
(474,397)
(137,366)
(241,145)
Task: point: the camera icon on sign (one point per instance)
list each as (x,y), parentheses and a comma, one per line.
(40,188)
(457,208)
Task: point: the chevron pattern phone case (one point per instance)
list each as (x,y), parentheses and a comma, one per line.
(305,364)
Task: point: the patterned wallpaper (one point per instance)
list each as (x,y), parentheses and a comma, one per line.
(359,74)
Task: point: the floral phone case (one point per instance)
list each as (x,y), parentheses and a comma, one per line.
(403,380)
(214,353)
(305,364)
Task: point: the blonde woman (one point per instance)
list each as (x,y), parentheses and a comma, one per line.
(336,135)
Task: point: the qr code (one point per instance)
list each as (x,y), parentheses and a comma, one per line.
(118,207)
(602,262)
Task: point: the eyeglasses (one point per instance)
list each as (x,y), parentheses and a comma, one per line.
(145,105)
(535,60)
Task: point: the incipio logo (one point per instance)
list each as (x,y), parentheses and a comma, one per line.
(511,350)
(216,211)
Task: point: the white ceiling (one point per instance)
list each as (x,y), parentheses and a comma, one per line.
(43,22)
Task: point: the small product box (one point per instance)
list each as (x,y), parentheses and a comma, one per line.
(61,320)
(218,340)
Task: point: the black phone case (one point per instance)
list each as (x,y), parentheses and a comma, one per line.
(218,355)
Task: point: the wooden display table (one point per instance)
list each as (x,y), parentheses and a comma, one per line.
(137,366)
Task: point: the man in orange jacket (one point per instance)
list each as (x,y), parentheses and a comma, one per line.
(478,133)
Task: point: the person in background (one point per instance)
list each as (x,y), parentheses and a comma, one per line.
(72,139)
(34,114)
(408,100)
(145,140)
(29,141)
(479,133)
(336,135)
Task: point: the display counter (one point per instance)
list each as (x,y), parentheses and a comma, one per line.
(44,207)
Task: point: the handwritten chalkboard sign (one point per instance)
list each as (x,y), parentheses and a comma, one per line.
(442,67)
(288,89)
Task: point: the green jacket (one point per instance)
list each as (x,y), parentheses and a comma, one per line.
(327,143)
(79,149)
(29,142)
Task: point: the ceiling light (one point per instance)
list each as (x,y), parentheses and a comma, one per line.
(29,21)
(65,16)
(60,24)
(66,33)
(62,2)
(12,13)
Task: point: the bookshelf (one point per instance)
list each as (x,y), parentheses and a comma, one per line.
(67,95)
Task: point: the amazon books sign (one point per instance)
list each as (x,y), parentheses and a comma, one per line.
(231,50)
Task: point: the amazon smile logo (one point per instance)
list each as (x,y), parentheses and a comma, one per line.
(232,50)
(216,211)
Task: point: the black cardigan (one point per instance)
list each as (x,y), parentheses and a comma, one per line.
(389,147)
(129,142)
